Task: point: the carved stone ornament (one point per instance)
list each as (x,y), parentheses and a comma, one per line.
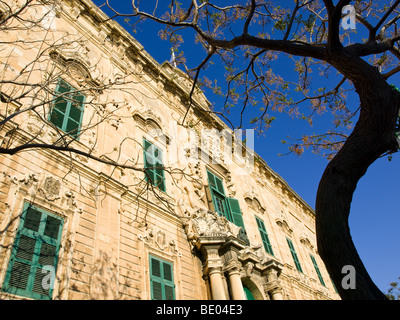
(304,239)
(198,195)
(204,223)
(252,200)
(230,185)
(51,188)
(191,199)
(29,180)
(282,222)
(157,239)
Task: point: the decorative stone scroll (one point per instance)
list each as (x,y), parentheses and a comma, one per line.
(155,238)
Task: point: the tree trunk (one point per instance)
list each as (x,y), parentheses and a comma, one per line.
(373,135)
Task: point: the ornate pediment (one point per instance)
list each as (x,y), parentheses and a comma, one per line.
(282,222)
(77,66)
(208,224)
(253,201)
(306,241)
(153,124)
(157,239)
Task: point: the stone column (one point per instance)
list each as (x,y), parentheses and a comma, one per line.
(216,283)
(235,281)
(212,269)
(231,252)
(273,285)
(276,294)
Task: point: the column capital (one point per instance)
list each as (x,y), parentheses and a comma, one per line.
(232,267)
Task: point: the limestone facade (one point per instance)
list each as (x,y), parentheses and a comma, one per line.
(114,229)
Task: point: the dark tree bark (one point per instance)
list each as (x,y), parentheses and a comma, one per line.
(373,135)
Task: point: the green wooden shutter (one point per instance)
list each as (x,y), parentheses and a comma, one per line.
(264,236)
(154,165)
(75,115)
(159,170)
(211,179)
(148,161)
(317,270)
(212,186)
(59,109)
(168,282)
(215,183)
(67,110)
(219,185)
(161,279)
(156,279)
(235,212)
(294,255)
(218,196)
(35,249)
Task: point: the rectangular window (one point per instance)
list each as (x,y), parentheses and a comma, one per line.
(67,109)
(294,255)
(223,205)
(153,163)
(317,270)
(161,279)
(34,256)
(264,236)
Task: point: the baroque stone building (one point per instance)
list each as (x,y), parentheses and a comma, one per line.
(202,221)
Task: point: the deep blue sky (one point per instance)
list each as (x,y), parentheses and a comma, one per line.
(374,218)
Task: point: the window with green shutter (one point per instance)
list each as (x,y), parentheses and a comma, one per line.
(223,205)
(264,236)
(218,195)
(294,255)
(215,183)
(34,256)
(317,270)
(161,279)
(235,212)
(67,110)
(153,163)
(248,293)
